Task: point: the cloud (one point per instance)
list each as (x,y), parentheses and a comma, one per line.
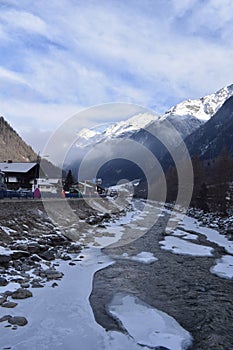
(57,57)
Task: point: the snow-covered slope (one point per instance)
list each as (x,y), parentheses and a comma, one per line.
(203,108)
(137,122)
(87,137)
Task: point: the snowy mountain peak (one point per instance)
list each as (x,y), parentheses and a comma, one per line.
(137,122)
(88,133)
(203,108)
(87,136)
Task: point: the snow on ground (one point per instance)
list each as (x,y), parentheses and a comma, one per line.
(184,234)
(7,230)
(224,267)
(159,329)
(212,235)
(5,251)
(62,318)
(179,246)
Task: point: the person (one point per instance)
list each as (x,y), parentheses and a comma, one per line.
(37,193)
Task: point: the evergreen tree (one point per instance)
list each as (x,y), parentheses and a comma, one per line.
(69,181)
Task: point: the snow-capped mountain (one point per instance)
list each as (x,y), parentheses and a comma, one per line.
(88,137)
(203,108)
(210,139)
(187,118)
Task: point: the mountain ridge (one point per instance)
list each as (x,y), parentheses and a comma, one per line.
(12,146)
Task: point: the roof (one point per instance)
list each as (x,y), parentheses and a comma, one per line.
(16,167)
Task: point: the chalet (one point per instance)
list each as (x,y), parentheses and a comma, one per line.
(19,175)
(47,185)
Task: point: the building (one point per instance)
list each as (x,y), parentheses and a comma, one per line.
(19,175)
(47,186)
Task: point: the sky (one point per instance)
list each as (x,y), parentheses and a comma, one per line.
(60,57)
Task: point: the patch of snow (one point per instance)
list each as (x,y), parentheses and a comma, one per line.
(149,326)
(212,235)
(7,230)
(179,246)
(224,267)
(5,251)
(184,234)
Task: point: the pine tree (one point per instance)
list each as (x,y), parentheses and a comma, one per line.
(69,181)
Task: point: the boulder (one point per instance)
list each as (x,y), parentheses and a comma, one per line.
(5,258)
(74,248)
(5,318)
(18,254)
(9,304)
(18,320)
(47,255)
(51,274)
(21,293)
(3,281)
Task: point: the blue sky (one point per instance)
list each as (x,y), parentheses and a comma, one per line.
(59,57)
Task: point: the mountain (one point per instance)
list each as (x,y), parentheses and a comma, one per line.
(149,130)
(12,147)
(186,117)
(211,138)
(88,137)
(203,108)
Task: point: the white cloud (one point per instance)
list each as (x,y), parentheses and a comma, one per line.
(6,74)
(68,54)
(23,20)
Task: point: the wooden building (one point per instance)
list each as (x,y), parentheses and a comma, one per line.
(19,175)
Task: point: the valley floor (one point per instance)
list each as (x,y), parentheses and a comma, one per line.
(141,281)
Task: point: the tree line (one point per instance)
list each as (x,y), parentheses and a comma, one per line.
(212,185)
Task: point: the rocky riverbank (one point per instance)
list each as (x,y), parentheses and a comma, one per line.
(31,246)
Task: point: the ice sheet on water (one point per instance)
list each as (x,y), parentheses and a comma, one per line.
(224,267)
(179,246)
(149,326)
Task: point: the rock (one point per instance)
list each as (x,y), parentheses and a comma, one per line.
(36,284)
(54,285)
(51,274)
(2,300)
(74,248)
(5,259)
(18,320)
(5,318)
(93,220)
(3,281)
(34,248)
(65,257)
(21,293)
(72,263)
(19,246)
(35,257)
(25,285)
(9,304)
(7,293)
(20,254)
(47,255)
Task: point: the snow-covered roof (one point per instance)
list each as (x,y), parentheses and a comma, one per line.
(16,167)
